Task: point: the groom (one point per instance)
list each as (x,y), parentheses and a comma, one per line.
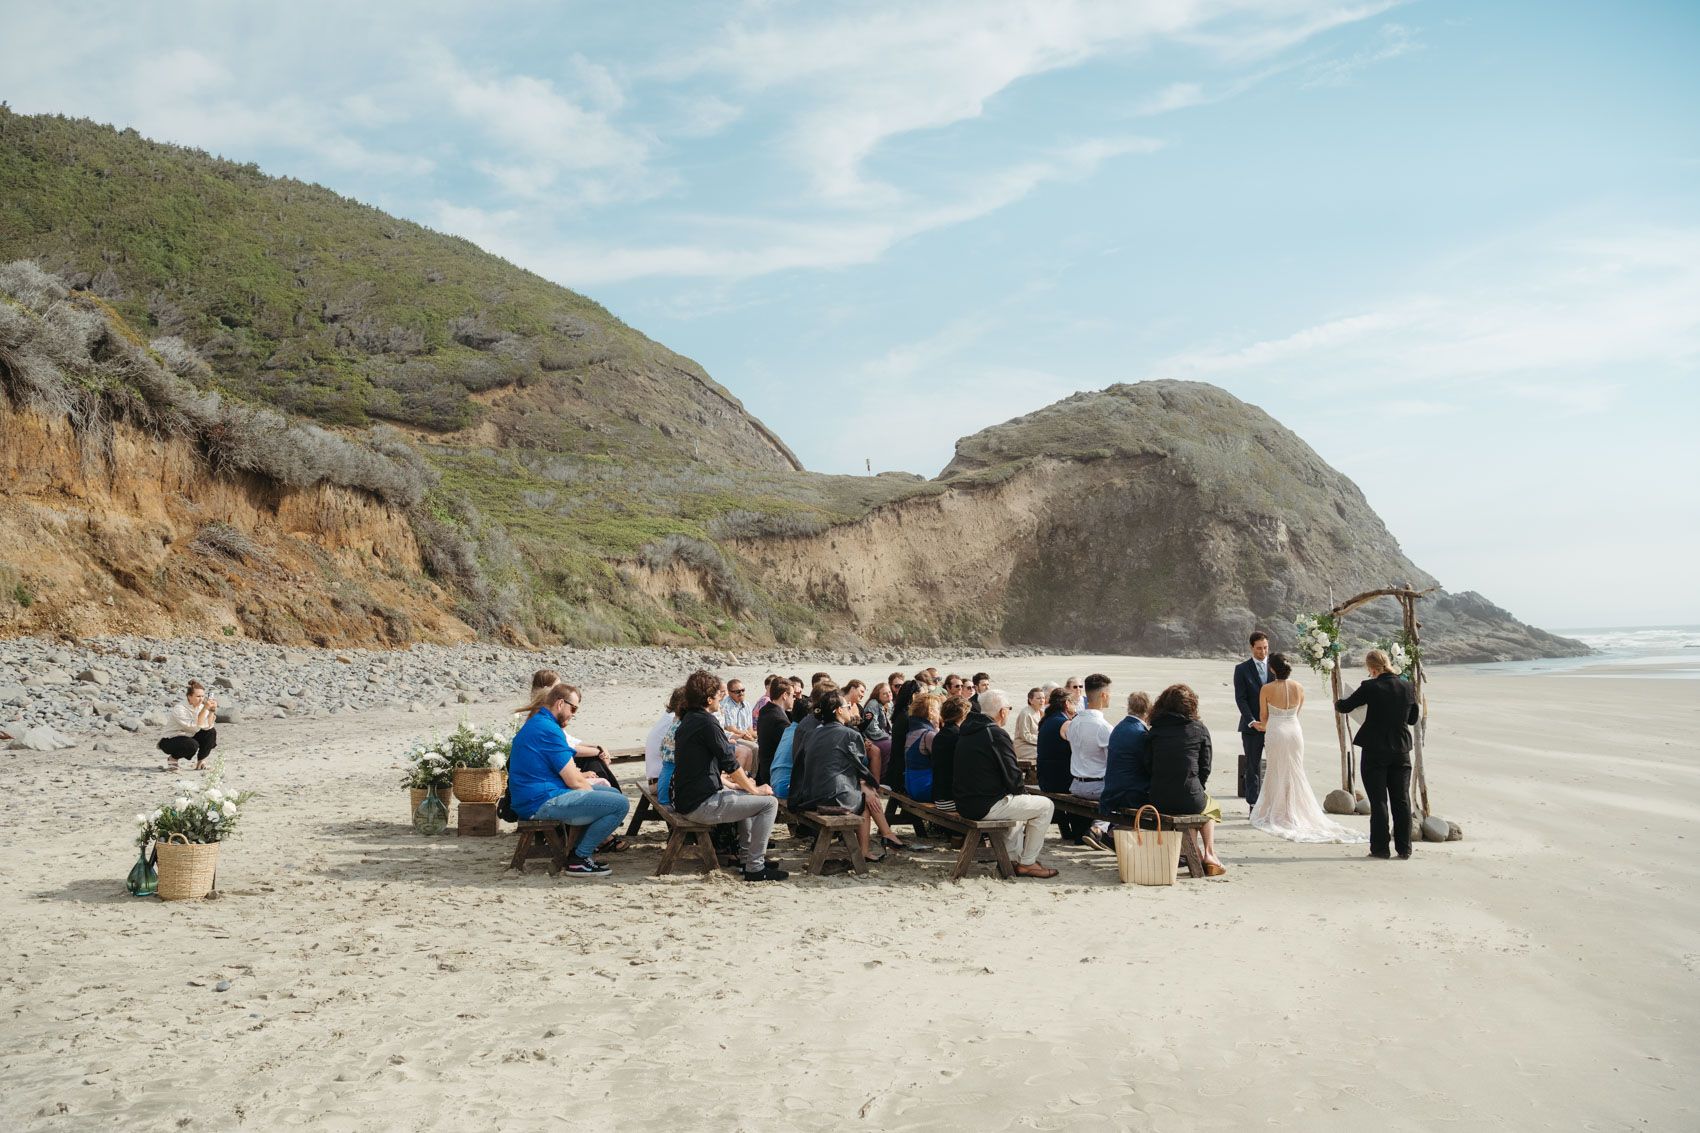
(1250,676)
(1390,708)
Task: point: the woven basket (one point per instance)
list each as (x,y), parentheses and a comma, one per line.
(479,784)
(186,869)
(416,795)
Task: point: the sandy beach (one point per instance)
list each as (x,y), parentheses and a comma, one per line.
(1542,973)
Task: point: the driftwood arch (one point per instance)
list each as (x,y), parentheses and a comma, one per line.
(1407,599)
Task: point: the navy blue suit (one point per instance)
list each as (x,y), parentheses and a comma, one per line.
(1247,687)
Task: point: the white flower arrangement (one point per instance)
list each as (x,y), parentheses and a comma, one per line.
(1403,654)
(1319,641)
(433,763)
(201,813)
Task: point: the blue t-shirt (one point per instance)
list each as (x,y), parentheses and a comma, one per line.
(539,753)
(1127,772)
(779,775)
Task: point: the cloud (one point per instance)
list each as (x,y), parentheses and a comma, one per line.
(1395,40)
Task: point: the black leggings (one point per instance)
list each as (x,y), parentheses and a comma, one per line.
(596,765)
(196,747)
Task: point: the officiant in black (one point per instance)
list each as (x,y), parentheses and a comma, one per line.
(1250,676)
(1390,708)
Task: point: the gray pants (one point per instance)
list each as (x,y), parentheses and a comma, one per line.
(754,814)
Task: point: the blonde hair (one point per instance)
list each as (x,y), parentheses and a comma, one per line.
(1376,662)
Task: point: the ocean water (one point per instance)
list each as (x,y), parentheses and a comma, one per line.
(1669,652)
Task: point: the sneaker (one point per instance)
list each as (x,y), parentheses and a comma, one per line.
(1097,841)
(768,872)
(585,867)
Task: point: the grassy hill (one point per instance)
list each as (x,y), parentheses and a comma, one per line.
(558,441)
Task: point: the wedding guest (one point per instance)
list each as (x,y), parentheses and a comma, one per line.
(924,713)
(799,699)
(1026,729)
(771,724)
(902,698)
(591,758)
(761,701)
(1250,676)
(658,733)
(876,727)
(987,784)
(806,727)
(736,719)
(1127,765)
(705,759)
(1178,752)
(193,734)
(783,760)
(1053,758)
(952,713)
(955,685)
(1088,742)
(836,779)
(1076,694)
(982,682)
(545,783)
(664,782)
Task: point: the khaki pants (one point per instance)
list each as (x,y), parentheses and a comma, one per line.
(1032,814)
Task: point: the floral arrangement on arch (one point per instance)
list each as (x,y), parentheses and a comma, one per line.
(1319,641)
(201,812)
(1403,654)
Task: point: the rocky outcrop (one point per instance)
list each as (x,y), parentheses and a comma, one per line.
(1163,517)
(151,541)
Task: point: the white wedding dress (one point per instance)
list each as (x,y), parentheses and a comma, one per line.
(1286,806)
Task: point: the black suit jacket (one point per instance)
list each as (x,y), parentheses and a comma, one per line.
(1390,708)
(1247,687)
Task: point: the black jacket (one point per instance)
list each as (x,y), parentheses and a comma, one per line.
(1179,752)
(771,723)
(984,769)
(701,752)
(834,770)
(944,761)
(899,732)
(1390,708)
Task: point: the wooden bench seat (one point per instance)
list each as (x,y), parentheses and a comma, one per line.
(682,834)
(983,841)
(543,840)
(1190,825)
(835,838)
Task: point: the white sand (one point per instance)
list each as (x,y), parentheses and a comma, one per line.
(1543,973)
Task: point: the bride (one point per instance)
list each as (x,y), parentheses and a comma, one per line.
(1286,806)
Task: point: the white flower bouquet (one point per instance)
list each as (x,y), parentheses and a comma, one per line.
(1403,654)
(424,765)
(1319,641)
(202,813)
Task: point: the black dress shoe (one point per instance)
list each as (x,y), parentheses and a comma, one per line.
(1406,856)
(1383,857)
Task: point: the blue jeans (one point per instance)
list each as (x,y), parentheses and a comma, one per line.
(600,810)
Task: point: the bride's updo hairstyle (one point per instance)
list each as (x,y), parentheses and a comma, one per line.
(1280,666)
(1178,700)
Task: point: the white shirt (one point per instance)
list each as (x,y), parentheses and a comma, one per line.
(652,746)
(183,718)
(1089,744)
(734,717)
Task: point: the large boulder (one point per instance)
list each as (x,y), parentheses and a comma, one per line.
(42,738)
(1435,829)
(1361,806)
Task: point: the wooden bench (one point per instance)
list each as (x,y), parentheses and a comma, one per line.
(983,841)
(647,809)
(835,838)
(542,840)
(682,834)
(1191,826)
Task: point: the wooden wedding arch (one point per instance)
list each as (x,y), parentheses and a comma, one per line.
(1407,599)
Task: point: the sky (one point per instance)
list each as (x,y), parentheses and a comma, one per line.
(1454,246)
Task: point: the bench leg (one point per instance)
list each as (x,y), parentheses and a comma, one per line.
(556,839)
(521,845)
(823,847)
(1192,845)
(705,850)
(853,847)
(670,852)
(1000,847)
(640,813)
(970,851)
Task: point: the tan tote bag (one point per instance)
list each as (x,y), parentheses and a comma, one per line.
(1148,857)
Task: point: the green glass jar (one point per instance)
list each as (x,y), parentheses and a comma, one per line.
(144,877)
(432,816)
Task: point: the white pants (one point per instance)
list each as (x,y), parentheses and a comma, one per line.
(1032,814)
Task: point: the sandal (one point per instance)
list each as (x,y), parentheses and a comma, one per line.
(613,845)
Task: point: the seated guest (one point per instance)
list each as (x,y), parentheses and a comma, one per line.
(1127,781)
(740,725)
(783,760)
(807,725)
(893,682)
(664,783)
(193,735)
(982,682)
(1088,742)
(1054,757)
(918,748)
(761,701)
(705,761)
(955,685)
(952,713)
(836,777)
(1076,694)
(1178,757)
(771,724)
(800,699)
(657,733)
(1026,729)
(876,727)
(592,758)
(545,783)
(987,784)
(901,699)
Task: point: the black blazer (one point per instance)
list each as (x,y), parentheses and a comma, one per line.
(1390,708)
(1247,686)
(1179,754)
(984,769)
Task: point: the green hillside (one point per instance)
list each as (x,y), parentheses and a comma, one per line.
(559,441)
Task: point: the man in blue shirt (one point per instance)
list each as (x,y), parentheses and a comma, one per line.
(1127,770)
(545,785)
